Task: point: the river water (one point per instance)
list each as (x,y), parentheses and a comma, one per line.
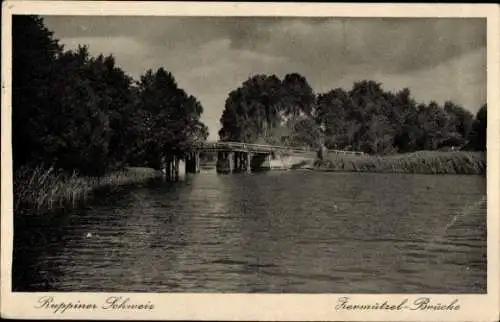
(291,231)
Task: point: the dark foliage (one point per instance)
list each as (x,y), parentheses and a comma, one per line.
(83,113)
(365,118)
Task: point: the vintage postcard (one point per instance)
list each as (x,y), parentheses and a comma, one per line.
(250,161)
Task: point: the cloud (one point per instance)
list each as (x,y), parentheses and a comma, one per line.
(461,79)
(394,44)
(438,59)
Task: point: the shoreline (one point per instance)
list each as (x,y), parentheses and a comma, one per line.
(389,172)
(421,162)
(40,190)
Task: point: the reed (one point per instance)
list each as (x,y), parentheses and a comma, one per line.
(40,189)
(425,162)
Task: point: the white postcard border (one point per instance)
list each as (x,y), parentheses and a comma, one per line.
(220,306)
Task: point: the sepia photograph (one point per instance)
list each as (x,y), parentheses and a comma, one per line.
(248,154)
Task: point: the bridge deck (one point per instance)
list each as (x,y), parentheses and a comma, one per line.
(260,148)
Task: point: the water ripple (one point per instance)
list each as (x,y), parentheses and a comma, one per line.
(271,232)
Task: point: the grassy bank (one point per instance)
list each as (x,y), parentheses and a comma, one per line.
(39,189)
(425,162)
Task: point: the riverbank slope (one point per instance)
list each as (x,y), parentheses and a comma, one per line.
(423,162)
(39,190)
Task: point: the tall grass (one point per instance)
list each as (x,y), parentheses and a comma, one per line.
(39,189)
(425,162)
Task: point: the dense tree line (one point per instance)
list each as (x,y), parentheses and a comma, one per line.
(365,118)
(84,113)
(266,109)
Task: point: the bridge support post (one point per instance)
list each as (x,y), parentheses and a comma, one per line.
(225,162)
(230,156)
(267,162)
(172,168)
(237,162)
(169,169)
(248,164)
(176,168)
(167,166)
(192,162)
(197,158)
(163,165)
(240,161)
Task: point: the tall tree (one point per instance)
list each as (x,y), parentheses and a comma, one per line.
(77,132)
(265,109)
(298,97)
(403,115)
(461,123)
(333,109)
(80,112)
(479,131)
(170,116)
(252,110)
(34,51)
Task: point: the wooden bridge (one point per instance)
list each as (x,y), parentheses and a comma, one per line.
(235,156)
(260,148)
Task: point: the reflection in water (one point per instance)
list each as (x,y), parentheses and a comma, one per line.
(296,231)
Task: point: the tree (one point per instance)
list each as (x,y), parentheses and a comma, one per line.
(77,132)
(34,51)
(265,109)
(252,111)
(374,110)
(365,118)
(332,112)
(461,124)
(479,130)
(83,113)
(305,133)
(116,99)
(298,97)
(170,117)
(403,116)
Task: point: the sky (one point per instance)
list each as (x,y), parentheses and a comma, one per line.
(436,58)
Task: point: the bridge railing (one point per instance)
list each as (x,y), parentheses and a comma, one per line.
(267,147)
